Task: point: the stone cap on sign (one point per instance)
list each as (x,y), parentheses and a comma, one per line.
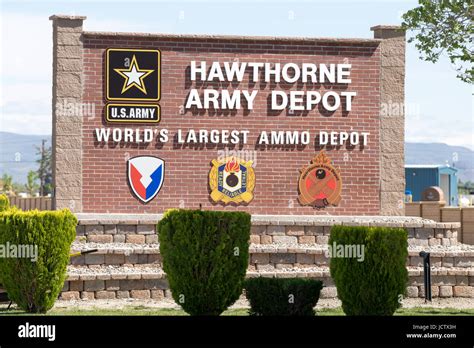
(117,219)
(386,27)
(286,220)
(388,31)
(162,36)
(67,17)
(337,41)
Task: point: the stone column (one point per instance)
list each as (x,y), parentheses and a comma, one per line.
(392,119)
(67,112)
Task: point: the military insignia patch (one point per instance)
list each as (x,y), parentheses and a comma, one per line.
(231,180)
(145,175)
(320,183)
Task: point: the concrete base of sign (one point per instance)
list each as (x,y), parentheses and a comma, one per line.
(309,220)
(128,262)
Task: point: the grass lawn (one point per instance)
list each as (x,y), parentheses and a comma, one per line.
(142,310)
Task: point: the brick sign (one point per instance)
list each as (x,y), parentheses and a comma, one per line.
(235,119)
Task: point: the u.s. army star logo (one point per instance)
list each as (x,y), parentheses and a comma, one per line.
(132,74)
(320,183)
(231,180)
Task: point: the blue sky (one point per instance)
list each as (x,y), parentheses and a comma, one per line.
(440,107)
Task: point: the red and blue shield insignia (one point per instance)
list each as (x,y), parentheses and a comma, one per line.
(145,175)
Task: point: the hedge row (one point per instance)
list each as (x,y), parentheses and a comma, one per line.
(4,202)
(286,296)
(205,256)
(35,280)
(376,284)
(206,274)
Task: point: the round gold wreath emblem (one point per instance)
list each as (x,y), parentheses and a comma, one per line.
(219,196)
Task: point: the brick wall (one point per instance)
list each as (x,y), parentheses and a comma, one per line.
(104,174)
(187,169)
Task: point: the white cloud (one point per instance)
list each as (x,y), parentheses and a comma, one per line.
(101,24)
(424,129)
(19,94)
(26,44)
(24,123)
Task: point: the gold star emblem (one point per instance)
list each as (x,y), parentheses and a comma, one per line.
(134,76)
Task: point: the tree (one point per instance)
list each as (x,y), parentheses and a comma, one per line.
(17,188)
(466,187)
(444,26)
(31,186)
(44,172)
(7,183)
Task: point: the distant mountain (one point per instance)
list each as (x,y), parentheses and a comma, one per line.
(438,153)
(18,155)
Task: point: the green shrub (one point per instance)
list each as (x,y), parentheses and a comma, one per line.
(205,256)
(35,285)
(372,286)
(4,205)
(4,202)
(282,296)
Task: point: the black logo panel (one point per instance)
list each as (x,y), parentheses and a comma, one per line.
(133,74)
